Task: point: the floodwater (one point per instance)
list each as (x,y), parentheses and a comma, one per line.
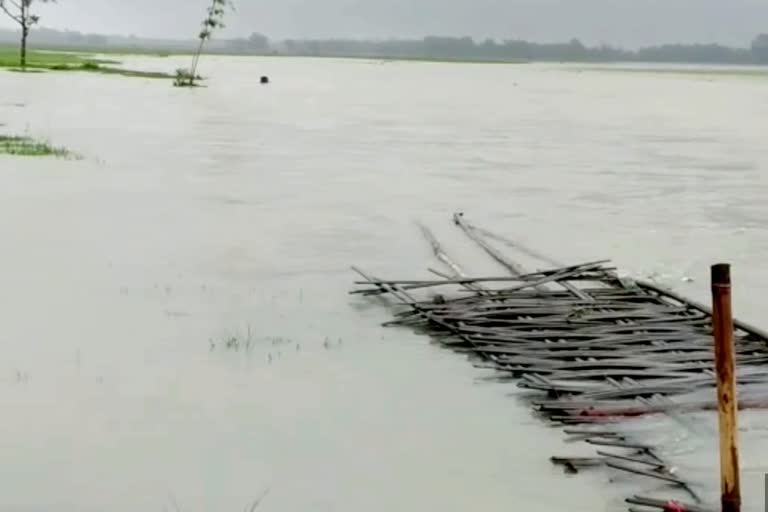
(177,333)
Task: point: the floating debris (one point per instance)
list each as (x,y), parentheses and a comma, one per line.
(598,347)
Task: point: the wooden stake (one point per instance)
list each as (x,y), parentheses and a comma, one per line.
(722,325)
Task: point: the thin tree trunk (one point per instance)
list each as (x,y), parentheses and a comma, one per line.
(23,57)
(24,33)
(195,60)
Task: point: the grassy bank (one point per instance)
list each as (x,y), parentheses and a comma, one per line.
(39,60)
(116,51)
(22,145)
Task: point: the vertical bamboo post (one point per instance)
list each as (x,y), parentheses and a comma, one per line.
(722,326)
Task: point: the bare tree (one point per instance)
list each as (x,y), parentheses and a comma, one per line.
(20,12)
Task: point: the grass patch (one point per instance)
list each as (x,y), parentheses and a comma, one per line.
(22,145)
(40,61)
(9,57)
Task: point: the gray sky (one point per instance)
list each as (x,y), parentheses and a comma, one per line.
(623,22)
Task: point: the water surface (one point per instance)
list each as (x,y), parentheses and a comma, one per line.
(234,211)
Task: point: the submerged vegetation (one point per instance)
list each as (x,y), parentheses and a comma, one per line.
(22,145)
(184,78)
(247,341)
(38,61)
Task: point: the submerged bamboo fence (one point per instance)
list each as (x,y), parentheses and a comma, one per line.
(594,348)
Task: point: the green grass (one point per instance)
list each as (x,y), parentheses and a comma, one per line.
(9,57)
(118,51)
(39,61)
(22,145)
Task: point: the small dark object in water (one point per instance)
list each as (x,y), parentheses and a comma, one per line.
(264,79)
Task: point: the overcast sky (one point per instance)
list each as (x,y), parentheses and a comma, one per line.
(623,22)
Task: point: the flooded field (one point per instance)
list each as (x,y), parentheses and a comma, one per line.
(177,330)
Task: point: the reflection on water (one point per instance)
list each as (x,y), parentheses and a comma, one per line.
(233,212)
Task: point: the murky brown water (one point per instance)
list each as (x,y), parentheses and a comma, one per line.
(235,211)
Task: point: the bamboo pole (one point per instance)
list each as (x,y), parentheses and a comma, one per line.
(722,326)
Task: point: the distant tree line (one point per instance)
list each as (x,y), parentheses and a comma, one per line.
(52,37)
(465,48)
(431,47)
